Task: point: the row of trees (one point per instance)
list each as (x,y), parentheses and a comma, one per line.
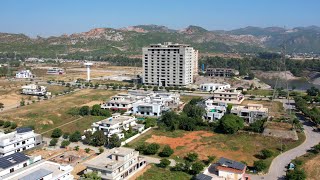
(302,105)
(86,110)
(153,148)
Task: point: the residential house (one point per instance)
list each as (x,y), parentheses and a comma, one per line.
(33,89)
(121,163)
(115,125)
(214,86)
(24,74)
(19,140)
(250,112)
(55,71)
(228,96)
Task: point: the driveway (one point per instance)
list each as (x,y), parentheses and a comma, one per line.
(155,160)
(278,165)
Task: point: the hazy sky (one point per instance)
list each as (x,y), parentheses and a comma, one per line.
(56,17)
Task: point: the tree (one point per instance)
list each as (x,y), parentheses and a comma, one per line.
(91,176)
(53,142)
(260,165)
(101,150)
(170,120)
(231,123)
(22,102)
(150,122)
(191,157)
(296,174)
(95,111)
(65,143)
(166,151)
(7,124)
(98,138)
(178,167)
(196,168)
(257,126)
(114,141)
(56,133)
(193,111)
(75,137)
(152,149)
(13,125)
(229,107)
(155,88)
(266,153)
(66,135)
(87,150)
(164,163)
(141,147)
(210,160)
(313,91)
(84,110)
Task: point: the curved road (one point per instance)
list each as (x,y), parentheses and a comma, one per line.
(278,165)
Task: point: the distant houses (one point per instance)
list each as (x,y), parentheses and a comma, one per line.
(24,74)
(35,90)
(228,96)
(214,86)
(55,71)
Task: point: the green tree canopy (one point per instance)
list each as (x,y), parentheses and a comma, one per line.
(230,123)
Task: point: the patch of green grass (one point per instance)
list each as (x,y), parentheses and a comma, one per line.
(187,98)
(156,173)
(260,92)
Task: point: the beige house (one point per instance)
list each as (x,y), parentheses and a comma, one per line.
(228,96)
(250,112)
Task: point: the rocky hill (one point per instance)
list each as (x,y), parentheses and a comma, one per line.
(102,42)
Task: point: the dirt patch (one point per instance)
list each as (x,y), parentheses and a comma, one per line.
(312,168)
(179,141)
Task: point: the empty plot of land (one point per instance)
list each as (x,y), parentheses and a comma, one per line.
(240,147)
(312,168)
(49,114)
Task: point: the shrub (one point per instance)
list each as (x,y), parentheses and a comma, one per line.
(65,143)
(296,174)
(53,142)
(13,125)
(56,133)
(152,149)
(191,157)
(164,163)
(87,150)
(101,150)
(266,153)
(76,148)
(66,135)
(7,124)
(166,151)
(260,165)
(196,168)
(1,123)
(141,147)
(84,110)
(75,137)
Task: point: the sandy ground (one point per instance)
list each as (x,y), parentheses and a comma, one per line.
(312,168)
(275,74)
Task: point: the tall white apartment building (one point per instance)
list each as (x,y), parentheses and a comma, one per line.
(169,64)
(17,141)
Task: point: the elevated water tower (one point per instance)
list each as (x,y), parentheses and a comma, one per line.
(88,64)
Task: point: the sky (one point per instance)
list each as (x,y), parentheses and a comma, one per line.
(57,17)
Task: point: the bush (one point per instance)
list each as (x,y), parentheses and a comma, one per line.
(66,135)
(141,147)
(87,150)
(13,125)
(7,124)
(164,163)
(296,174)
(178,167)
(150,122)
(166,151)
(266,153)
(76,148)
(56,133)
(196,168)
(53,142)
(75,137)
(1,123)
(260,165)
(151,149)
(191,157)
(101,150)
(209,160)
(65,143)
(84,110)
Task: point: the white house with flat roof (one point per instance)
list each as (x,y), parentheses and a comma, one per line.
(41,170)
(228,96)
(120,163)
(19,140)
(114,125)
(24,74)
(250,112)
(214,86)
(33,89)
(55,71)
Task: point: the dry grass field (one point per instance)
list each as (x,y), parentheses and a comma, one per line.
(48,114)
(312,168)
(240,147)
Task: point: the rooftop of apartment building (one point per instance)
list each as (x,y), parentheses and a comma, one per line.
(116,118)
(256,107)
(104,161)
(12,159)
(227,91)
(168,45)
(38,170)
(13,135)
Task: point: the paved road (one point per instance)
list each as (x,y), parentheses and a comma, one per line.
(157,160)
(278,165)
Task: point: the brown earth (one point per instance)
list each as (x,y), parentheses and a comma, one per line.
(312,168)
